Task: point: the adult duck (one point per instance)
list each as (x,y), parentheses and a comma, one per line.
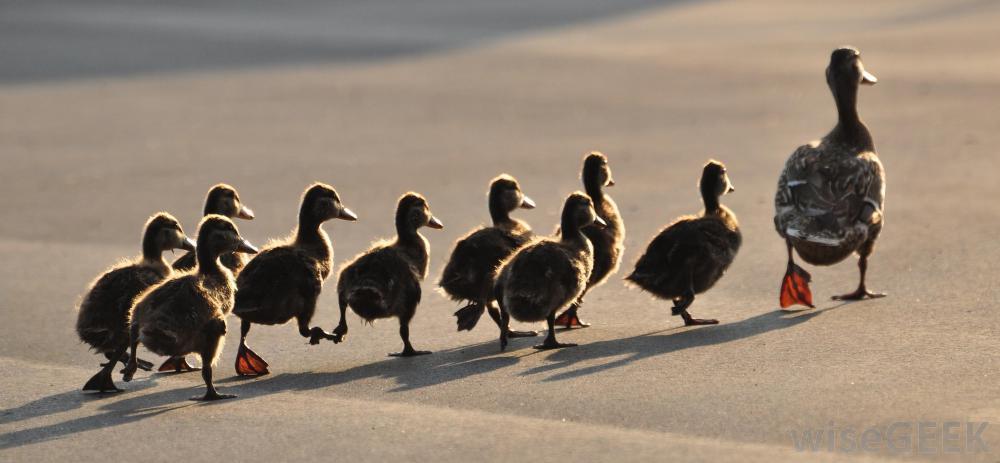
(831,192)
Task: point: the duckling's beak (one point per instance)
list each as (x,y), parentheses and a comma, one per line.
(611,182)
(435,223)
(599,222)
(731,188)
(245,213)
(245,247)
(527,203)
(347,214)
(868,78)
(187,244)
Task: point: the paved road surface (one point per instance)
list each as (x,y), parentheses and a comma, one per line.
(90,153)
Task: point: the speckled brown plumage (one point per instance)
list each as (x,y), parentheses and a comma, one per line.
(691,254)
(384,281)
(186,313)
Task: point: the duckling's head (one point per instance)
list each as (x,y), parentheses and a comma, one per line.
(578,212)
(223,199)
(412,212)
(218,234)
(847,70)
(715,180)
(162,233)
(320,203)
(596,171)
(506,194)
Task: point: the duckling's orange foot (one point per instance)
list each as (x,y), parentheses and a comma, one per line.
(861,293)
(795,287)
(176,365)
(248,363)
(551,343)
(569,319)
(101,382)
(212,396)
(522,334)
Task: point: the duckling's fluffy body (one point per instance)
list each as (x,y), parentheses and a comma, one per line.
(385,281)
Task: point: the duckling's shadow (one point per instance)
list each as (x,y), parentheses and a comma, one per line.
(410,373)
(130,409)
(666,341)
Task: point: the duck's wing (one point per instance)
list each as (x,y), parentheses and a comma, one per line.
(822,193)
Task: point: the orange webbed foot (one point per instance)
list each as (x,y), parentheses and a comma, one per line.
(248,363)
(795,287)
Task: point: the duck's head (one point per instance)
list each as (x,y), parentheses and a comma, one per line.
(578,212)
(223,199)
(163,233)
(596,171)
(412,212)
(320,203)
(715,180)
(218,234)
(506,194)
(846,70)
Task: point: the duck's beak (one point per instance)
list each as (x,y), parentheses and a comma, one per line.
(245,247)
(868,78)
(527,203)
(435,223)
(599,222)
(347,214)
(245,213)
(187,244)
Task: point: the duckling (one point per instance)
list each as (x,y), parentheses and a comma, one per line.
(187,312)
(831,192)
(385,281)
(690,255)
(223,200)
(609,241)
(102,322)
(285,280)
(468,276)
(548,275)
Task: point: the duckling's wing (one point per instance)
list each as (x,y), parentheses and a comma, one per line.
(103,318)
(469,270)
(275,278)
(666,253)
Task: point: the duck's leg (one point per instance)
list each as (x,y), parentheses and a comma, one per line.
(143,364)
(862,291)
(177,364)
(569,318)
(550,340)
(102,382)
(315,334)
(404,332)
(207,355)
(248,363)
(495,315)
(682,303)
(340,332)
(795,285)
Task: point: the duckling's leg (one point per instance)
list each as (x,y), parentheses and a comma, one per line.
(681,305)
(132,364)
(207,356)
(404,332)
(340,332)
(550,340)
(569,319)
(143,364)
(504,328)
(102,382)
(795,285)
(248,363)
(862,291)
(495,315)
(177,365)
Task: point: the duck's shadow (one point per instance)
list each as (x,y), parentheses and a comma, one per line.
(664,342)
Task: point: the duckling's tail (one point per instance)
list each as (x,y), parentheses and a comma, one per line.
(469,315)
(367,302)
